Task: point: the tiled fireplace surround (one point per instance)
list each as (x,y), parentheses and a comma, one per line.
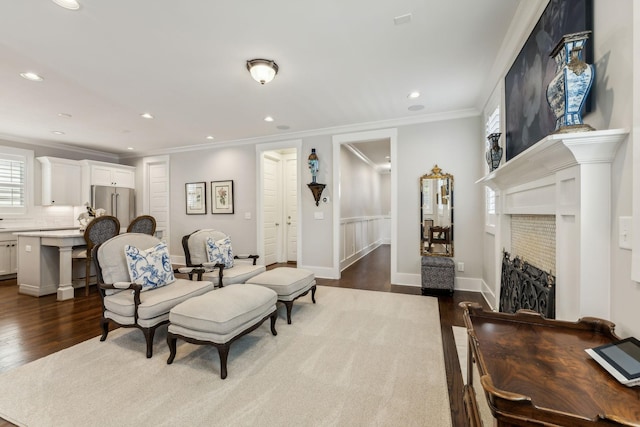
(566,177)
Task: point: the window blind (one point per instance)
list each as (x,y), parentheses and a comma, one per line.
(12,183)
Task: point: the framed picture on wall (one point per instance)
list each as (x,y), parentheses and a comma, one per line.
(222,197)
(528,117)
(195,198)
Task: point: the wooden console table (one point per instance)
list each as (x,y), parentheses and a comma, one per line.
(535,372)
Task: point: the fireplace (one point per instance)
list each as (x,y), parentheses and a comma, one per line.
(566,177)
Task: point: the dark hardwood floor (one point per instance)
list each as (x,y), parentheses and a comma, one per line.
(31,328)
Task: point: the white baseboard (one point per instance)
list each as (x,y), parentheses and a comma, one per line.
(322,272)
(37,291)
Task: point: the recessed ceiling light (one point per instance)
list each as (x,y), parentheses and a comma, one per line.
(129,148)
(146,115)
(57,132)
(31,76)
(268,119)
(402,19)
(210,137)
(416,107)
(65,115)
(68,4)
(414,95)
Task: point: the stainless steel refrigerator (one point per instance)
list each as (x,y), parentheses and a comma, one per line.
(116,201)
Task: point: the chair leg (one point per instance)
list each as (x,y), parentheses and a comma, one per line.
(148,335)
(87,274)
(313,294)
(104,325)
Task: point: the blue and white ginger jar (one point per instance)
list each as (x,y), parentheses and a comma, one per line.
(568,90)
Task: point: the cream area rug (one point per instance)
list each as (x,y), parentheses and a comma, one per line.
(356,358)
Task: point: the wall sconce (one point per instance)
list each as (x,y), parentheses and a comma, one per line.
(315,187)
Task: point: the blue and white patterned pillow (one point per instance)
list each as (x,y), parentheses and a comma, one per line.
(151,267)
(220,251)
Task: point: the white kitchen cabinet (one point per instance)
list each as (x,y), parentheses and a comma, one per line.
(109,174)
(61,181)
(8,256)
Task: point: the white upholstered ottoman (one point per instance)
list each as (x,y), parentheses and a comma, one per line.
(289,283)
(220,317)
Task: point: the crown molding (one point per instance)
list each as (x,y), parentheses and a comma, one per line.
(356,127)
(60,146)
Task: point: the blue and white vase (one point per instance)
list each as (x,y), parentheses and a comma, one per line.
(494,153)
(568,90)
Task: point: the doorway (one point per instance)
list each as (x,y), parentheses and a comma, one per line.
(361,139)
(278,202)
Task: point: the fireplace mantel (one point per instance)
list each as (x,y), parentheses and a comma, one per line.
(568,176)
(554,153)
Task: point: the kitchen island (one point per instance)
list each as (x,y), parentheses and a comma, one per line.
(44,262)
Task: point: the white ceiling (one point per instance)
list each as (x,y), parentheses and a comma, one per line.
(342,62)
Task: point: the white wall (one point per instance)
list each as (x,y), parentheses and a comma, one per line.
(454,146)
(361,187)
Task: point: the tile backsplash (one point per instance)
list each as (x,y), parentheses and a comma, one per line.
(44,216)
(533,239)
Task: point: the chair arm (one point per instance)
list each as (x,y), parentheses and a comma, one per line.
(136,288)
(253,257)
(199,271)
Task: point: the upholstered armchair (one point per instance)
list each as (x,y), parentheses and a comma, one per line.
(211,249)
(137,285)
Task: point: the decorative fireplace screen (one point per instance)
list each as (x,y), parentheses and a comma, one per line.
(524,286)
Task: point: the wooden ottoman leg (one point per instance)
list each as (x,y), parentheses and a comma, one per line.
(274,316)
(223,352)
(289,305)
(313,294)
(171,341)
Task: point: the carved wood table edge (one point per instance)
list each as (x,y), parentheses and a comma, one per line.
(551,381)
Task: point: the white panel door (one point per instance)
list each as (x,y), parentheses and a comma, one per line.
(291,206)
(271,208)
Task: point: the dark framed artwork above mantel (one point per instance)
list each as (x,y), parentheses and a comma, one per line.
(528,117)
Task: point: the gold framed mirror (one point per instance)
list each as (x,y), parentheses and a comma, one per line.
(436,213)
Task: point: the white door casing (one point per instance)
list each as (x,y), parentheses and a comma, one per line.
(270,207)
(291,207)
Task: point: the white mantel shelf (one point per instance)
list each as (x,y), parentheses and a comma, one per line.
(554,153)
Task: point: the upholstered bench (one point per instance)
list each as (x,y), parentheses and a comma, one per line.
(220,317)
(289,283)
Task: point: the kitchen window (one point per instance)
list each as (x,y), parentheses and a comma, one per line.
(16,166)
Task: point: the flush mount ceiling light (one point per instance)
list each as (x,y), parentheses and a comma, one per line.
(68,4)
(146,115)
(262,70)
